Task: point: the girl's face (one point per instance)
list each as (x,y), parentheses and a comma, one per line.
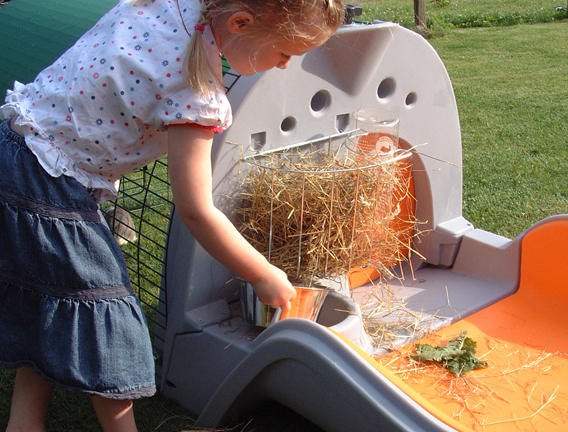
(248,55)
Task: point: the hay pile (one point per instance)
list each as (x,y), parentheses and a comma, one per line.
(319,213)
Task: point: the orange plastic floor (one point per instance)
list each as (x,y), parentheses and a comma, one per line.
(524,339)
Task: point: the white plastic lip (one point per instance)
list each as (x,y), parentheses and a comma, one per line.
(256,159)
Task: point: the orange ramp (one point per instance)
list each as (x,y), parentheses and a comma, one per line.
(524,339)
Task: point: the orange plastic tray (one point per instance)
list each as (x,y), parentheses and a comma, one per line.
(523,338)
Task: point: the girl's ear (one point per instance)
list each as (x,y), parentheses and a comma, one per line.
(238,21)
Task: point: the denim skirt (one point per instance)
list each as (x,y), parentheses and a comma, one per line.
(67,308)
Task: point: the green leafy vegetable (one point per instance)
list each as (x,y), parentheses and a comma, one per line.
(458,356)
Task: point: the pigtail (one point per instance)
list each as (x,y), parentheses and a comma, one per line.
(200,75)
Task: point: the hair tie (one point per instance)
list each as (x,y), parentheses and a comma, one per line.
(199,27)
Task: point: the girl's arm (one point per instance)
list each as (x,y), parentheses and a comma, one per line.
(189,165)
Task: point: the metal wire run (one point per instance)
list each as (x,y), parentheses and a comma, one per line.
(139,219)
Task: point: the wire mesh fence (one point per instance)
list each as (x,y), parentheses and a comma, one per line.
(146,198)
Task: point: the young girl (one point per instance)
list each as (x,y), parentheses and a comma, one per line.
(144,81)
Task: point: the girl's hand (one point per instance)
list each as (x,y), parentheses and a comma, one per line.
(274,289)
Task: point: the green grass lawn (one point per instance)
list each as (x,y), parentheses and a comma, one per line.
(443,15)
(510,85)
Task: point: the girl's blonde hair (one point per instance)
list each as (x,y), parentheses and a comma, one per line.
(299,21)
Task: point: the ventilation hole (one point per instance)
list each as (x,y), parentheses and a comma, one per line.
(341,122)
(258,140)
(410,99)
(320,101)
(386,88)
(288,124)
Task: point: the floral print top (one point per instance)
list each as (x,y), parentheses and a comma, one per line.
(101,110)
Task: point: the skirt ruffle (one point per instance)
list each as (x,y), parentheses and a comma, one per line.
(99,347)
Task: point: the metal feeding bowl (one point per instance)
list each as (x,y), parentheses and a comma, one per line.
(307,305)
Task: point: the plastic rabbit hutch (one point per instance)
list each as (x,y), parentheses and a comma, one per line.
(508,294)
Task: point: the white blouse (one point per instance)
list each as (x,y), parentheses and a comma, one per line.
(101,110)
